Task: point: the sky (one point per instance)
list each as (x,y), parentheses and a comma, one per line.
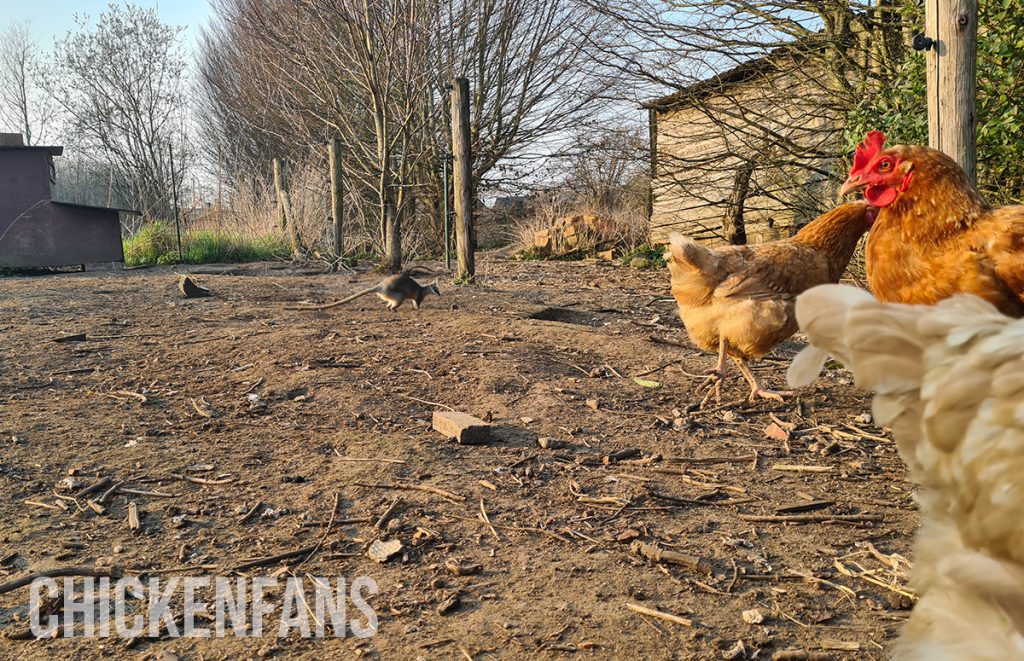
(51,19)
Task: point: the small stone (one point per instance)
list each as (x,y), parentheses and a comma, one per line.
(384,551)
(450,604)
(737,651)
(753,616)
(462,569)
(627,535)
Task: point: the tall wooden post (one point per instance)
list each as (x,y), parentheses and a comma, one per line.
(462,179)
(952,82)
(337,197)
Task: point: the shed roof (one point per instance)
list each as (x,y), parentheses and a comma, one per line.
(133,212)
(796,51)
(16,141)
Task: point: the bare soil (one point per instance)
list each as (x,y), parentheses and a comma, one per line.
(273,405)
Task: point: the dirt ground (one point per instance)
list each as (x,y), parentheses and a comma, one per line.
(288,413)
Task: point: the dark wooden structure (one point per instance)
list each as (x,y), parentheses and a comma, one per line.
(38,231)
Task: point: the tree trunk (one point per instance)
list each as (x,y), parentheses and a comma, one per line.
(734,229)
(337,197)
(285,210)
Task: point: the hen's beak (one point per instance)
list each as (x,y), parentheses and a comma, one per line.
(853,184)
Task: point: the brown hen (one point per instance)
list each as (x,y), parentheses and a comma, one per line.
(934,235)
(738,300)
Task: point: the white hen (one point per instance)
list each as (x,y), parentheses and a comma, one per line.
(949,382)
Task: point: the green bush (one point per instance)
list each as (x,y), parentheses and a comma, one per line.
(900,109)
(646,256)
(151,243)
(156,243)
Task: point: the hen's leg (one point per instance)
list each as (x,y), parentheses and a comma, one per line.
(755,388)
(714,379)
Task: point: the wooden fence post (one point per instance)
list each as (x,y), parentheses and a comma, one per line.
(952,79)
(462,179)
(337,197)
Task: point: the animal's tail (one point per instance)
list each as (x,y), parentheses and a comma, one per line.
(334,304)
(686,253)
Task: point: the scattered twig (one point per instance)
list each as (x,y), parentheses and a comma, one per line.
(656,555)
(201,480)
(142,492)
(487,520)
(797,468)
(94,487)
(668,617)
(59,571)
(388,514)
(410,397)
(542,531)
(252,512)
(657,369)
(287,555)
(812,518)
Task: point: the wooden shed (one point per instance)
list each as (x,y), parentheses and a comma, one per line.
(38,231)
(737,158)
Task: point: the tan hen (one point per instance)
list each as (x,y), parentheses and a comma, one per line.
(738,300)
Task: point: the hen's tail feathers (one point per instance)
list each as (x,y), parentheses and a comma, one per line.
(687,253)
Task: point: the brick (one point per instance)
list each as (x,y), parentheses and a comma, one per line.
(464,428)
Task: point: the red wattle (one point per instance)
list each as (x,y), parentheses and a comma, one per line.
(880,196)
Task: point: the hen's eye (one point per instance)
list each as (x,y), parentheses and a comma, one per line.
(885,165)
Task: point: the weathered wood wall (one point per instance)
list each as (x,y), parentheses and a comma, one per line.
(770,125)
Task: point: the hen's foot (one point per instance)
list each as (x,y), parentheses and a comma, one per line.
(776,395)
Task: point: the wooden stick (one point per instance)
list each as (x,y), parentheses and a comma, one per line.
(200,480)
(102,500)
(133,516)
(447,495)
(36,503)
(248,515)
(388,514)
(812,518)
(95,486)
(542,531)
(140,492)
(287,555)
(668,617)
(657,555)
(54,573)
(802,469)
(708,460)
(487,520)
(656,369)
(327,530)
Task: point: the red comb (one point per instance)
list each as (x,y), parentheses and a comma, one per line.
(873,143)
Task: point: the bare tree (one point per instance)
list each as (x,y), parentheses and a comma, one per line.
(23,106)
(759,85)
(120,85)
(281,78)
